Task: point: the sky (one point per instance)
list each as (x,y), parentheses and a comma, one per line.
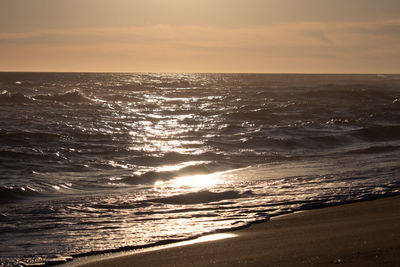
(246,36)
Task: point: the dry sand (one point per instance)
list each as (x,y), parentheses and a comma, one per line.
(359,234)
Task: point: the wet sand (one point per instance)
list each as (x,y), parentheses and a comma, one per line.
(359,234)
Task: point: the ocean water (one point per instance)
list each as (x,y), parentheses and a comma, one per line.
(95,162)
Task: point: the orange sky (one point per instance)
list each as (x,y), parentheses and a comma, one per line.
(321,36)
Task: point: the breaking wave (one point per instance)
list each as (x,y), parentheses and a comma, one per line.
(7,97)
(70,96)
(73,96)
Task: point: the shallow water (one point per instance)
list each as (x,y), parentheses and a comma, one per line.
(93,162)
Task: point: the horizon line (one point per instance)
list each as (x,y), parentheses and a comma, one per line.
(180,72)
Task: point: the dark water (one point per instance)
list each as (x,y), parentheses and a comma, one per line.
(97,162)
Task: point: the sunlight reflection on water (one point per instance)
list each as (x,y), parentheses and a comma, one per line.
(206,238)
(192,182)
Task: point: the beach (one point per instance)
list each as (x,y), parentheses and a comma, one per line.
(358,234)
(199,133)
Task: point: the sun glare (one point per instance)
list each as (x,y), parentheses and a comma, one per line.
(197,181)
(176,167)
(206,238)
(191,182)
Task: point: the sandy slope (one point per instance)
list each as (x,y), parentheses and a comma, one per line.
(359,234)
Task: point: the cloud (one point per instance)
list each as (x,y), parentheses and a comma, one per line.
(388,29)
(298,47)
(290,34)
(14,36)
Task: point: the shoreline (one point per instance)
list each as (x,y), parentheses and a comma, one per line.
(361,233)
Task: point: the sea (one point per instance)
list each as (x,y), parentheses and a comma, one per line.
(103,162)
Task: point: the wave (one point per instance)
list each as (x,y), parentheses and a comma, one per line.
(7,97)
(285,143)
(26,135)
(264,115)
(122,98)
(350,91)
(73,96)
(174,84)
(378,133)
(203,196)
(374,149)
(149,177)
(369,134)
(8,194)
(70,96)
